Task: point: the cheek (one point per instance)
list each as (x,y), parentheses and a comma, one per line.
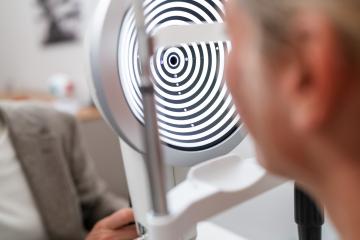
(256,107)
(232,75)
(235,80)
(278,145)
(252,100)
(242,80)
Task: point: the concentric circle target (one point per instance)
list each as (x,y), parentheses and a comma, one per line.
(195,109)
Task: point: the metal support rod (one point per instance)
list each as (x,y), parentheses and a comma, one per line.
(154,158)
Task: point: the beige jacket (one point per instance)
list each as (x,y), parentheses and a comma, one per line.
(69,195)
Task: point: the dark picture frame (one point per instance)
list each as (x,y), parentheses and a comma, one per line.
(63,20)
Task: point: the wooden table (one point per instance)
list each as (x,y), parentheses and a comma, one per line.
(84,114)
(87,114)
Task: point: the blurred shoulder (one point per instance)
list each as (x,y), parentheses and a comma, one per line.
(37,115)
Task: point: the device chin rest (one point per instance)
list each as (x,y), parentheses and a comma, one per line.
(209,189)
(229,175)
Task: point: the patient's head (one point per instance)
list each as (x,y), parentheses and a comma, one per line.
(294,75)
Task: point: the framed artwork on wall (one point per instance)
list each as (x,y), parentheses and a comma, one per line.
(62,21)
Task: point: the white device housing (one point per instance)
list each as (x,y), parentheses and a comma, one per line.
(211,187)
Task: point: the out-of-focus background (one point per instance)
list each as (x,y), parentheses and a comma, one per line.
(30,54)
(43,58)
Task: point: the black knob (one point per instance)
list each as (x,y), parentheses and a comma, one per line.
(308,216)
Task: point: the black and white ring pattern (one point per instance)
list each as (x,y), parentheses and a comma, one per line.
(195,109)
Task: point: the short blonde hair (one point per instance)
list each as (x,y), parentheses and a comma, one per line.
(275,17)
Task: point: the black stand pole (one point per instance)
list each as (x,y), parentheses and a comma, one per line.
(308,216)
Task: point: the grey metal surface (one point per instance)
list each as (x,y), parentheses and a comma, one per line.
(154,157)
(106,88)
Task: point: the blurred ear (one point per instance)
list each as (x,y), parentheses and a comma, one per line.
(319,75)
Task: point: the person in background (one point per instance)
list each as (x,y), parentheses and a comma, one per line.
(48,187)
(294,75)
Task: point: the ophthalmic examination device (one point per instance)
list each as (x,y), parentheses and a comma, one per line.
(158,79)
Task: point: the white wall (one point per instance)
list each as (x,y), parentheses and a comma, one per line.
(268,217)
(24,62)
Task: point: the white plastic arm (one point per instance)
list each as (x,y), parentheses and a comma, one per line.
(190,33)
(210,188)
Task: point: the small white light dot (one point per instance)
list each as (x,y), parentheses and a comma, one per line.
(193,125)
(177,84)
(179,93)
(185,110)
(175,76)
